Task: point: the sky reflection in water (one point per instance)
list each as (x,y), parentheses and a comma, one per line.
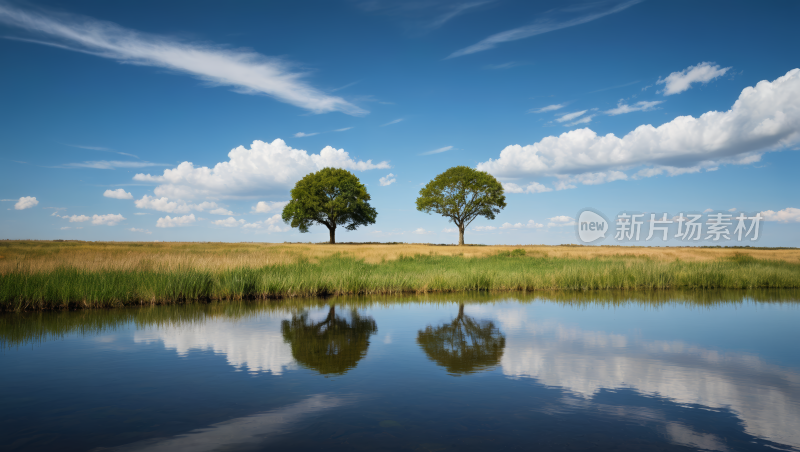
(671,371)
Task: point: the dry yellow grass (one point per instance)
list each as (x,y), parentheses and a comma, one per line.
(47,255)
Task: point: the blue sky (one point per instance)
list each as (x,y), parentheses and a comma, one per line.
(192,121)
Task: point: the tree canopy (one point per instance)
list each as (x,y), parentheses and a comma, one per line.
(332,346)
(462,194)
(331,197)
(464,345)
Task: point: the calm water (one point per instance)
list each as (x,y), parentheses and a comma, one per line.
(665,371)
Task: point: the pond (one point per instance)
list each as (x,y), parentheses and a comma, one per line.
(550,371)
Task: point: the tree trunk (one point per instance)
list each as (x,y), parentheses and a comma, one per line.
(333,234)
(461,235)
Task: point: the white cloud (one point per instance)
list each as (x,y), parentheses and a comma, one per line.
(450,230)
(421,231)
(708,210)
(65,227)
(594,178)
(389,179)
(77,218)
(139,230)
(392,122)
(301,134)
(623,108)
(533,187)
(229,222)
(678,82)
(271,224)
(732,209)
(167,222)
(107,220)
(25,202)
(163,204)
(765,118)
(110,164)
(101,149)
(570,116)
(117,194)
(561,220)
(584,120)
(268,206)
(246,72)
(530,225)
(438,151)
(553,107)
(546,23)
(221,211)
(263,168)
(787,215)
(484,228)
(343,129)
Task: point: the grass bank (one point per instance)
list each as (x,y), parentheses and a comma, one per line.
(28,288)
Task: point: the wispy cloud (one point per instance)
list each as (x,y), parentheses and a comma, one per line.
(583,120)
(344,129)
(553,107)
(303,134)
(111,164)
(509,65)
(438,151)
(101,149)
(678,82)
(570,116)
(456,11)
(546,24)
(613,87)
(638,106)
(392,122)
(245,71)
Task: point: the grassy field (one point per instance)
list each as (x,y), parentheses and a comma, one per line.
(44,275)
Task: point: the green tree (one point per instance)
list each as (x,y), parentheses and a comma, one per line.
(464,345)
(331,197)
(462,194)
(332,346)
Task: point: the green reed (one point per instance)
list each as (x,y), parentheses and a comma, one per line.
(340,275)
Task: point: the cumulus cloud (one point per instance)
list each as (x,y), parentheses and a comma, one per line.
(388,179)
(268,206)
(438,151)
(421,231)
(25,202)
(168,222)
(553,107)
(77,218)
(561,220)
(302,134)
(450,230)
(271,224)
(530,225)
(107,220)
(533,187)
(550,21)
(678,82)
(117,194)
(245,71)
(229,222)
(623,108)
(163,204)
(787,215)
(139,230)
(765,118)
(264,167)
(221,211)
(484,228)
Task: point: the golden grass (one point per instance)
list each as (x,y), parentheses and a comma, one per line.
(43,256)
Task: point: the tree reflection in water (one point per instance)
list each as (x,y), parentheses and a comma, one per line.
(332,346)
(464,345)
